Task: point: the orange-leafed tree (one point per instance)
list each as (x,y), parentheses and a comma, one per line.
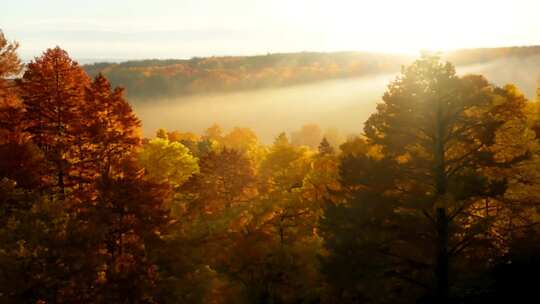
(10,106)
(241,139)
(18,156)
(214,133)
(111,130)
(52,90)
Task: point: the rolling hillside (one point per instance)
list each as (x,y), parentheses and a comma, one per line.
(150,79)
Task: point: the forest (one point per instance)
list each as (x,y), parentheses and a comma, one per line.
(146,80)
(436,200)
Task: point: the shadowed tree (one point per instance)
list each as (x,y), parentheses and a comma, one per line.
(126,223)
(325,147)
(445,133)
(357,232)
(441,127)
(223,181)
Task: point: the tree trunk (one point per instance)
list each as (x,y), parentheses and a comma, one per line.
(442,221)
(442,258)
(61,185)
(441,269)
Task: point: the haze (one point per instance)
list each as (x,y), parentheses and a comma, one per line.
(336,104)
(342,104)
(118,30)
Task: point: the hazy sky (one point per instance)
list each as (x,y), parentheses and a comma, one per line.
(121,29)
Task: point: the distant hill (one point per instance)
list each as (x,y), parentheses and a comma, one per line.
(484,55)
(151,79)
(147,79)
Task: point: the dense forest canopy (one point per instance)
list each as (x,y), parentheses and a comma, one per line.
(168,78)
(436,200)
(151,79)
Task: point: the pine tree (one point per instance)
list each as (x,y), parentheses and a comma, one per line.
(447,132)
(325,147)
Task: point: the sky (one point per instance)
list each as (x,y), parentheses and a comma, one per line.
(134,29)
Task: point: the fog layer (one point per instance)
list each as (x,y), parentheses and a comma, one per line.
(342,104)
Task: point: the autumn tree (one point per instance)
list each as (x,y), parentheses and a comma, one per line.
(126,222)
(183,137)
(10,64)
(162,133)
(38,254)
(241,139)
(109,131)
(309,135)
(422,195)
(168,162)
(19,158)
(92,246)
(321,184)
(223,180)
(245,141)
(534,114)
(276,253)
(213,205)
(325,147)
(53,88)
(446,131)
(11,109)
(355,146)
(192,141)
(47,252)
(357,232)
(214,133)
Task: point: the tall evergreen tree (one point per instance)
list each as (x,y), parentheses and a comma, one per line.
(451,143)
(444,130)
